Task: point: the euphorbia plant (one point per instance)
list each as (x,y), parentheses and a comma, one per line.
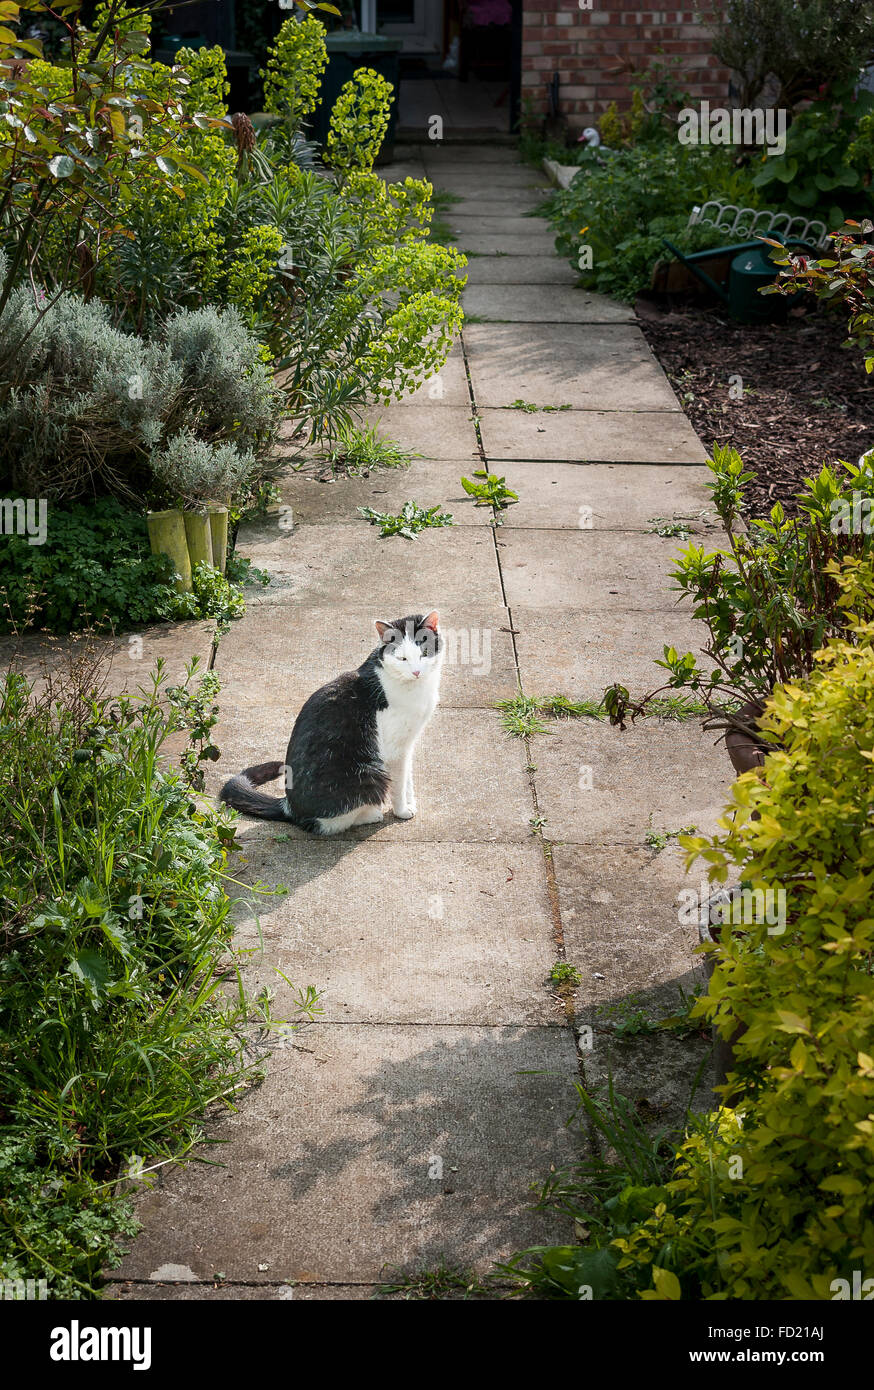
(770,601)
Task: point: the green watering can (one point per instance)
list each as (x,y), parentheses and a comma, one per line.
(750,271)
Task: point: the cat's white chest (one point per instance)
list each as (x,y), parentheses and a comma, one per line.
(399,725)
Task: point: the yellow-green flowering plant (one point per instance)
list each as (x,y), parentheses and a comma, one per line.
(359,122)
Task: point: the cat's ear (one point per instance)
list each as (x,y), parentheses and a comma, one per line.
(382,628)
(431,620)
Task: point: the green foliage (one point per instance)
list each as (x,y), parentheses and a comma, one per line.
(69,149)
(253,269)
(660,839)
(816,177)
(623,203)
(410,520)
(333,272)
(770,601)
(523,715)
(91,404)
(213,595)
(491,491)
(846,276)
(564,974)
(358,448)
(768,1197)
(293,76)
(805,44)
(359,121)
(96,570)
(96,567)
(115,1035)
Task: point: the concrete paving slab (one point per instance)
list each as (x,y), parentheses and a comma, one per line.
(448,386)
(621,916)
(578,654)
(500,207)
(495,243)
(492,180)
(282,652)
(122,664)
(453,157)
(325,1168)
(596,367)
(611,497)
(464,223)
(156,1292)
(591,436)
(614,571)
(658,775)
(662,1075)
(403,169)
(471,784)
(542,304)
(317,499)
(467,937)
(518,270)
(436,431)
(336,564)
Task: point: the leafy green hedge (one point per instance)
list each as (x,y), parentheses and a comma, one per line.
(769,1197)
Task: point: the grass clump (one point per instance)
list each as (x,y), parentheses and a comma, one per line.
(523,715)
(115,941)
(358,448)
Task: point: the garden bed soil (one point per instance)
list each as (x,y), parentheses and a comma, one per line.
(807,400)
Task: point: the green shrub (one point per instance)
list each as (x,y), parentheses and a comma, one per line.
(771,600)
(114,1036)
(816,177)
(623,203)
(770,1198)
(91,403)
(805,44)
(96,570)
(293,76)
(359,121)
(334,273)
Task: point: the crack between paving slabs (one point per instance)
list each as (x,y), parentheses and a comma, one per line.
(546,847)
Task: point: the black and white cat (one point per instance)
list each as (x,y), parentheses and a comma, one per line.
(352,743)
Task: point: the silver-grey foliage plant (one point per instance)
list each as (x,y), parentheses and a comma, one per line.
(85,406)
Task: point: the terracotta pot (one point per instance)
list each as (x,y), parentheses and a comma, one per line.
(723,1048)
(746,752)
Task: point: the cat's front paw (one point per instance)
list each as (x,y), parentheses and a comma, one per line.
(404,812)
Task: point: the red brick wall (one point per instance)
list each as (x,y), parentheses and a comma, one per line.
(594,49)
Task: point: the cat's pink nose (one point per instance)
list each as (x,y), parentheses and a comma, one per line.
(417,673)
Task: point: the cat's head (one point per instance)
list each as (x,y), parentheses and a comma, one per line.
(411,649)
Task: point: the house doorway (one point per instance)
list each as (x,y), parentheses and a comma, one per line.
(460,61)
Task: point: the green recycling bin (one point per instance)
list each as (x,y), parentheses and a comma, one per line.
(346,52)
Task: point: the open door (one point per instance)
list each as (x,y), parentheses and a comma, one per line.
(461,60)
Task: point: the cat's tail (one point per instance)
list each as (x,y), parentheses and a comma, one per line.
(240,792)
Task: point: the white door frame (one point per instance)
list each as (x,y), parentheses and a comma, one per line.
(425,33)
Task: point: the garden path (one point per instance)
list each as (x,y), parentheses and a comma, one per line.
(405,1128)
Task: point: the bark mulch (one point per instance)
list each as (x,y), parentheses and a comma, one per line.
(806,399)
